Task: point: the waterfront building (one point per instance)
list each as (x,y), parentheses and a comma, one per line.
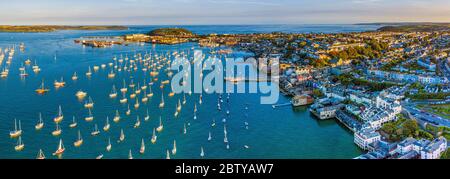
(434,149)
(364,137)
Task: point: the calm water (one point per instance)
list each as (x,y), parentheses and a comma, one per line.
(272,133)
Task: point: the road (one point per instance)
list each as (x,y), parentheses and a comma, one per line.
(426,117)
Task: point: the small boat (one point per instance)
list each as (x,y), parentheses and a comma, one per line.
(132,96)
(200,100)
(96,131)
(113,93)
(20,146)
(17,131)
(23,73)
(74,123)
(202,152)
(124,99)
(150,94)
(246,147)
(160,127)
(130,156)
(107,125)
(124,89)
(60,149)
(161,105)
(179,106)
(40,155)
(40,123)
(96,68)
(90,117)
(117,117)
(111,74)
(167,154)
(131,85)
(89,104)
(80,94)
(147,117)
(138,123)
(79,141)
(74,76)
(60,116)
(57,131)
(128,112)
(59,84)
(171,94)
(99,157)
(122,136)
(142,149)
(213,123)
(184,129)
(109,146)
(174,150)
(184,98)
(136,105)
(209,137)
(145,98)
(42,89)
(89,73)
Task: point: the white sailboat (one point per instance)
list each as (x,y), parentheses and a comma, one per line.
(74,76)
(167,154)
(124,99)
(57,131)
(122,136)
(111,74)
(130,156)
(154,137)
(136,105)
(79,141)
(113,93)
(117,117)
(60,116)
(124,89)
(60,149)
(174,150)
(80,94)
(142,149)
(179,106)
(40,155)
(138,123)
(184,129)
(40,123)
(150,93)
(184,98)
(160,127)
(89,73)
(147,117)
(109,146)
(74,123)
(107,125)
(161,105)
(209,137)
(128,112)
(96,131)
(89,104)
(202,152)
(90,117)
(17,131)
(20,145)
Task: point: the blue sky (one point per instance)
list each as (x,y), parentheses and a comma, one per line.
(174,12)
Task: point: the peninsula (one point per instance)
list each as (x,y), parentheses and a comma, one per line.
(51,28)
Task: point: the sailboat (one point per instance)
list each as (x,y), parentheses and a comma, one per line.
(150,94)
(122,136)
(179,106)
(113,93)
(90,117)
(117,117)
(128,112)
(200,100)
(202,152)
(40,123)
(111,74)
(80,94)
(213,123)
(154,137)
(136,105)
(59,84)
(60,116)
(132,85)
(17,131)
(107,126)
(145,97)
(142,150)
(57,131)
(124,89)
(138,89)
(74,76)
(99,157)
(109,146)
(132,96)
(138,123)
(79,141)
(96,131)
(60,149)
(40,155)
(89,104)
(167,154)
(147,117)
(209,137)
(184,129)
(89,73)
(20,146)
(174,150)
(161,105)
(176,112)
(184,98)
(42,89)
(74,123)
(124,99)
(160,127)
(130,156)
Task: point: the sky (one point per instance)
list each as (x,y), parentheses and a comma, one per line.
(197,12)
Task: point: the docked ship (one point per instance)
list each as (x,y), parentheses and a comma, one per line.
(302,100)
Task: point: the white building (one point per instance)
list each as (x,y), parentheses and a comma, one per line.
(365,137)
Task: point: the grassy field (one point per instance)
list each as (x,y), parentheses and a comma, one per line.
(441,110)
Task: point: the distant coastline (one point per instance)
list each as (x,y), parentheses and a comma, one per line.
(52,28)
(411,26)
